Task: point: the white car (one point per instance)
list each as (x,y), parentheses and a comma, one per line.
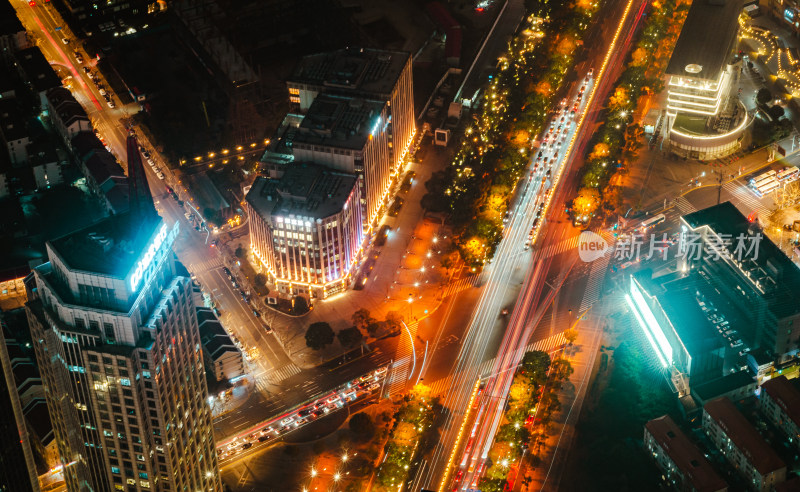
(111,104)
(160,175)
(287,421)
(102,91)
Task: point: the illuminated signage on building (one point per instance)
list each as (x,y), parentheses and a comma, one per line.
(160,243)
(788,14)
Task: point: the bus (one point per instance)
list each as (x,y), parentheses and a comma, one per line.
(763,177)
(788,174)
(652,221)
(766,186)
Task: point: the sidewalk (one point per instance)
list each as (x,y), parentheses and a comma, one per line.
(403,276)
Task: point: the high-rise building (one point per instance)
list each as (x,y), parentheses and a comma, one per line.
(350,135)
(17,469)
(359,116)
(115,335)
(305,228)
(380,75)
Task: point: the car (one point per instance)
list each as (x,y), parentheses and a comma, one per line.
(590,72)
(102,91)
(287,420)
(160,175)
(78,57)
(146,154)
(349,396)
(232,444)
(299,422)
(380,371)
(247,445)
(319,413)
(373,387)
(65,40)
(112,106)
(305,412)
(333,400)
(263,438)
(256,313)
(87,70)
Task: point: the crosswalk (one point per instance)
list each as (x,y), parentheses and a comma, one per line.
(461,284)
(684,206)
(596,277)
(742,194)
(548,345)
(399,375)
(206,265)
(561,246)
(281,373)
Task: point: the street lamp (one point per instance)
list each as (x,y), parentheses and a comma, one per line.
(410,307)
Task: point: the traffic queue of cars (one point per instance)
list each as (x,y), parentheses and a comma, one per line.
(350,392)
(551,151)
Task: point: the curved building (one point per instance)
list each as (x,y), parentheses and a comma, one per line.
(704,118)
(305,228)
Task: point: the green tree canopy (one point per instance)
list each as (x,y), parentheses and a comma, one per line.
(319,335)
(361,425)
(763,96)
(350,337)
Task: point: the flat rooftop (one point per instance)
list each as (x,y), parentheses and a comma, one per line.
(37,69)
(685,455)
(744,436)
(677,297)
(9,22)
(707,39)
(720,386)
(304,189)
(108,247)
(360,70)
(785,394)
(340,122)
(779,275)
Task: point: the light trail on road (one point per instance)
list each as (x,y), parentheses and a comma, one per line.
(547,163)
(522,324)
(529,304)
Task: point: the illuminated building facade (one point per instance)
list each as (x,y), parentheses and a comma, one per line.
(306,228)
(787,13)
(380,75)
(352,136)
(705,119)
(671,317)
(705,319)
(759,294)
(742,446)
(116,339)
